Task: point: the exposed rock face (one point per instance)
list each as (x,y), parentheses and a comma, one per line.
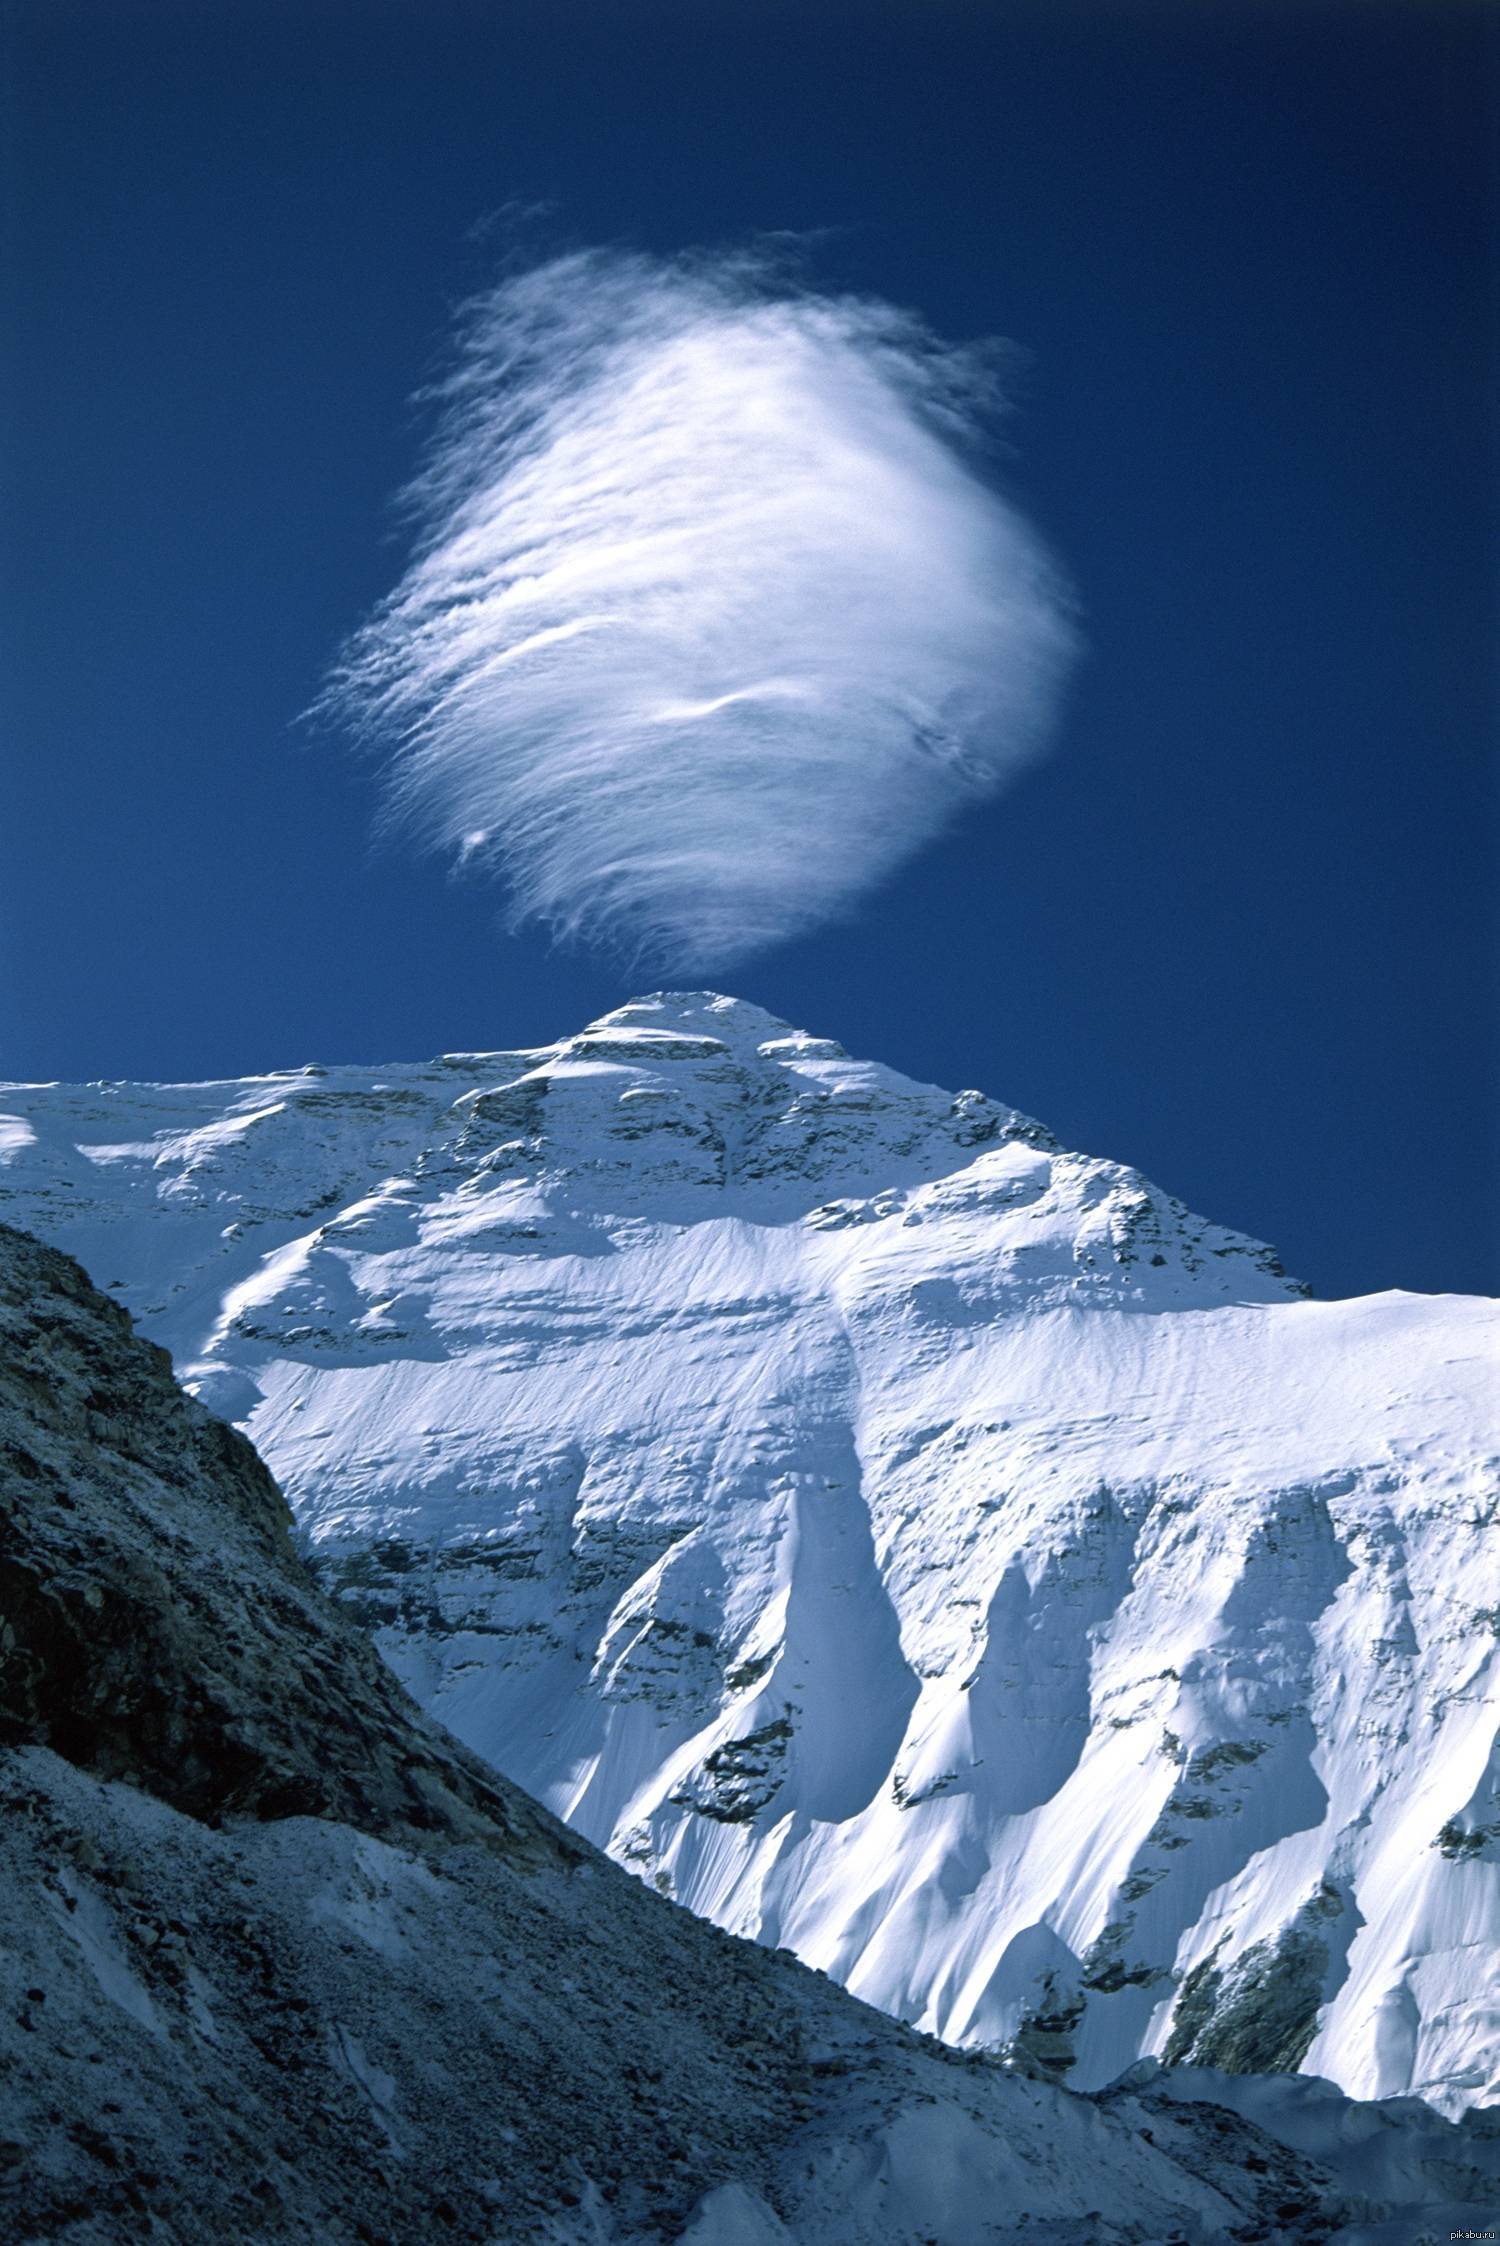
(1259,2013)
(281,1964)
(888,1533)
(158,1623)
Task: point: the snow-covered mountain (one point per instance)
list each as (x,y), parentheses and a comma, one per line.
(898,1538)
(281,1962)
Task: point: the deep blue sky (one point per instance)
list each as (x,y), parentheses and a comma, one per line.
(1240,929)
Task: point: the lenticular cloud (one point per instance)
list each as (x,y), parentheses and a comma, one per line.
(710,620)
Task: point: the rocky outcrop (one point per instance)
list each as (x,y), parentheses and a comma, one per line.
(158,1624)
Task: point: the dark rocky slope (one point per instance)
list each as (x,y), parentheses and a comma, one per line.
(158,1626)
(281,1962)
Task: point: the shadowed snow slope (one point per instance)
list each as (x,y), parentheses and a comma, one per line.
(893,1536)
(281,1963)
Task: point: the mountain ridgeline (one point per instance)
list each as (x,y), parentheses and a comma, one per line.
(895,1537)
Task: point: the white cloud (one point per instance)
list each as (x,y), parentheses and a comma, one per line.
(710,621)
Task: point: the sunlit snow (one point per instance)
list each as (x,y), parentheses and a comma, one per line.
(896,1537)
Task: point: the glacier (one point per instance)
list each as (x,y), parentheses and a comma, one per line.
(895,1537)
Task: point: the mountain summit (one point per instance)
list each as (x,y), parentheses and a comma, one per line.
(892,1535)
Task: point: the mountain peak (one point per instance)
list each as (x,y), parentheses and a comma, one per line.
(737,1024)
(712,1013)
(891,1533)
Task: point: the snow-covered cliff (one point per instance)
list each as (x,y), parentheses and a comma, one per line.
(281,1962)
(894,1536)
